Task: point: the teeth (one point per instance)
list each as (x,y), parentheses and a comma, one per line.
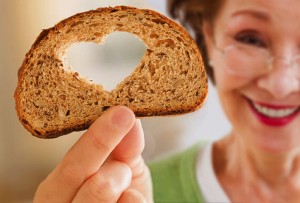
(274,113)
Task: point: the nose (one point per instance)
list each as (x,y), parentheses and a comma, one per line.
(281,81)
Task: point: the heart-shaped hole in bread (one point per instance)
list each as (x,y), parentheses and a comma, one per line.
(170,79)
(108,63)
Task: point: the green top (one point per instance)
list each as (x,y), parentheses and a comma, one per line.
(174,179)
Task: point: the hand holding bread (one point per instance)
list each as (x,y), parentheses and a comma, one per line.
(105,165)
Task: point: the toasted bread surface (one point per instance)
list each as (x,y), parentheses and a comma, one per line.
(52,100)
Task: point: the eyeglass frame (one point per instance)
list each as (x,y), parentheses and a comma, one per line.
(270,59)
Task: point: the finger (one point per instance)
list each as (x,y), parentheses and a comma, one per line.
(107,185)
(130,151)
(87,155)
(131,148)
(130,196)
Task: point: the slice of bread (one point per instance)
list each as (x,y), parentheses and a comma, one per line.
(52,100)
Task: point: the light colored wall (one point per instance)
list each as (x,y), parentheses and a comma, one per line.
(26,160)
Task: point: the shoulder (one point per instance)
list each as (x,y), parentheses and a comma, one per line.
(169,162)
(174,178)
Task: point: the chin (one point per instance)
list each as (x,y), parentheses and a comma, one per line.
(273,136)
(276,143)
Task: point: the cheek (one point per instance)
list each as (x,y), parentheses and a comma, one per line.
(234,105)
(227,81)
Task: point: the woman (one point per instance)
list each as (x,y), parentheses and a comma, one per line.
(251,48)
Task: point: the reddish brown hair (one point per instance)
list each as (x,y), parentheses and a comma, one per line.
(191,14)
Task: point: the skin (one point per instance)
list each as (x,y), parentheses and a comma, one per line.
(255,160)
(105,165)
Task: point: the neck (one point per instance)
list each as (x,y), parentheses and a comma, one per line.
(273,169)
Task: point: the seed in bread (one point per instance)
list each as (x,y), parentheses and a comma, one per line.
(52,100)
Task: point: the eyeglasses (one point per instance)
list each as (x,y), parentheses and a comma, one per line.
(252,61)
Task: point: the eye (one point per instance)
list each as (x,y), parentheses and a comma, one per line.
(250,38)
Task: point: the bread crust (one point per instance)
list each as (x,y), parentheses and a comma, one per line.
(23,101)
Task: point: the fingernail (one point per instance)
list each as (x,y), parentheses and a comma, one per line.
(122,117)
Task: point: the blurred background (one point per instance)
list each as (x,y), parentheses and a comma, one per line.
(25,160)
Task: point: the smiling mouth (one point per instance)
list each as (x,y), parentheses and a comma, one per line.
(274,115)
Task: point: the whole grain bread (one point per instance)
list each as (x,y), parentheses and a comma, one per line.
(52,100)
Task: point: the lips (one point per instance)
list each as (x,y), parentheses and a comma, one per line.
(274,115)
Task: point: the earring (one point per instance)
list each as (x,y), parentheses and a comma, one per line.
(211,63)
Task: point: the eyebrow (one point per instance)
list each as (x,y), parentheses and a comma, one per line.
(254,13)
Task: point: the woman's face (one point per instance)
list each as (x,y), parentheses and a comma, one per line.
(264,107)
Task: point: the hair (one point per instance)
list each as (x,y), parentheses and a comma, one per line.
(191,14)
